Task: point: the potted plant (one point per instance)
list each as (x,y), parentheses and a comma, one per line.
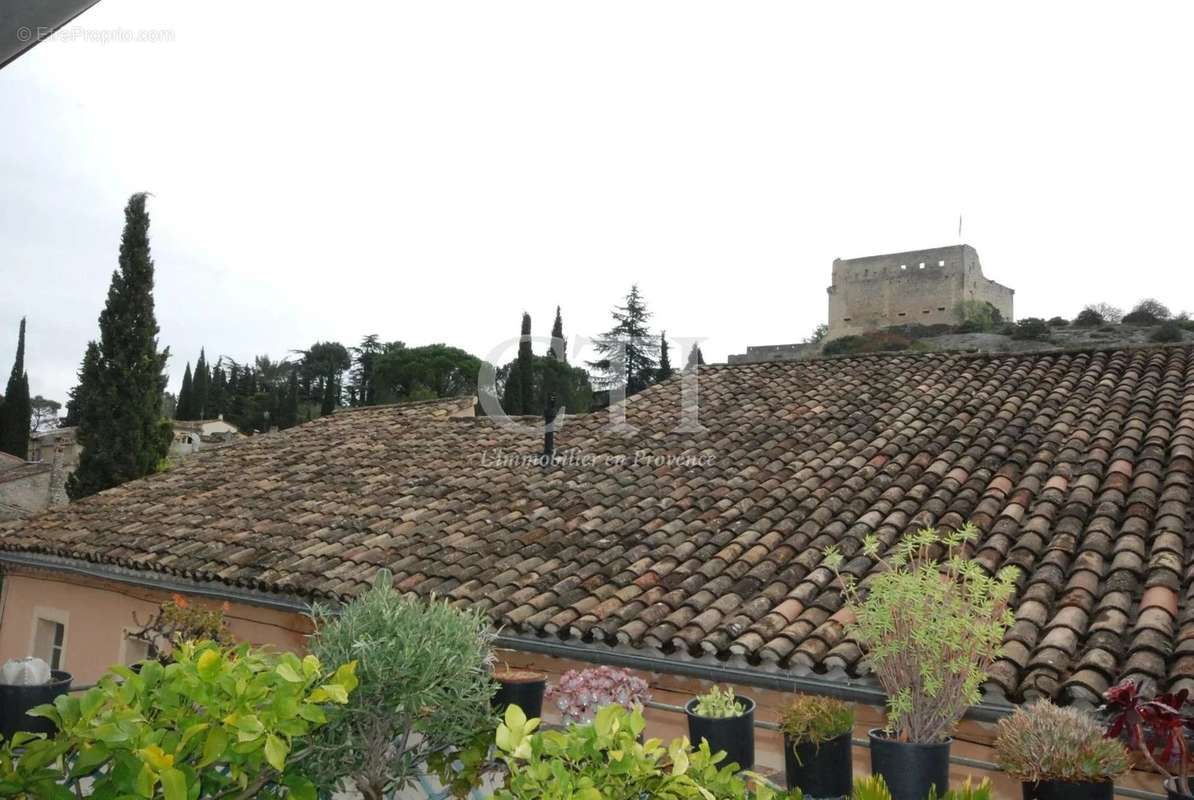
(423,692)
(930,629)
(1059,754)
(521,687)
(26,683)
(817,748)
(726,721)
(1156,729)
(580,693)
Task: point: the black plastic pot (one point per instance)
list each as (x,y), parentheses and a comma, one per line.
(522,690)
(735,735)
(15,701)
(1068,790)
(1172,790)
(820,770)
(910,769)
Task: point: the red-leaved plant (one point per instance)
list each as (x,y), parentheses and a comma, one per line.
(1151,726)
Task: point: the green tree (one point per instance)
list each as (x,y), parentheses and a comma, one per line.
(44,415)
(665,364)
(320,365)
(185,410)
(425,373)
(629,351)
(695,358)
(559,346)
(200,387)
(362,389)
(16,410)
(519,396)
(120,424)
(290,410)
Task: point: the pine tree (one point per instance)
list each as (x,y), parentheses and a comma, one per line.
(17,409)
(665,363)
(185,409)
(121,431)
(629,350)
(558,348)
(200,388)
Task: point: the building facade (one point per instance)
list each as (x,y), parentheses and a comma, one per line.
(924,287)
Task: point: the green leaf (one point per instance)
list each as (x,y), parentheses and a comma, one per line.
(208,665)
(300,788)
(214,746)
(289,673)
(276,751)
(174,784)
(89,758)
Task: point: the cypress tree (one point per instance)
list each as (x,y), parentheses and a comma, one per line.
(518,397)
(121,430)
(695,358)
(331,395)
(200,388)
(558,348)
(17,409)
(665,363)
(185,409)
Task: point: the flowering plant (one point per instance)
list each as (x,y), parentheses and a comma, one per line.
(580,693)
(178,620)
(1151,725)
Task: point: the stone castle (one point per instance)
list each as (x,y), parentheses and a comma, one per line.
(922,287)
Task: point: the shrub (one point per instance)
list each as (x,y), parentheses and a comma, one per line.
(424,687)
(977,315)
(818,334)
(1031,328)
(1149,310)
(216,722)
(718,703)
(1088,318)
(871,342)
(930,629)
(1042,742)
(1167,332)
(580,693)
(1106,312)
(813,719)
(606,759)
(1058,322)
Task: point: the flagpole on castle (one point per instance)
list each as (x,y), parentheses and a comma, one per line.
(959,228)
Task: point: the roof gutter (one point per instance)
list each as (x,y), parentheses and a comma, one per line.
(846,688)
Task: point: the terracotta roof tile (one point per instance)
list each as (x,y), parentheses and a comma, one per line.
(1076,467)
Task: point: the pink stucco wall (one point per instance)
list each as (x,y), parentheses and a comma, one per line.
(96,615)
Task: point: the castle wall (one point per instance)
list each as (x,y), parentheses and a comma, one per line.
(922,287)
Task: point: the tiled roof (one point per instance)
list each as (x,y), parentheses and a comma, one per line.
(26,469)
(1076,467)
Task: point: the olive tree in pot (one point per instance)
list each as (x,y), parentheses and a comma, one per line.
(726,721)
(1156,729)
(423,694)
(930,626)
(1059,754)
(817,747)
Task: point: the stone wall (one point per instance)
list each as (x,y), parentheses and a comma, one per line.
(775,352)
(916,287)
(25,495)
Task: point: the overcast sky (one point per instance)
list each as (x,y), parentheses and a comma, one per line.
(427,171)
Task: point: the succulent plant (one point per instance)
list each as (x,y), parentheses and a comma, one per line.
(580,693)
(1042,742)
(718,703)
(813,719)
